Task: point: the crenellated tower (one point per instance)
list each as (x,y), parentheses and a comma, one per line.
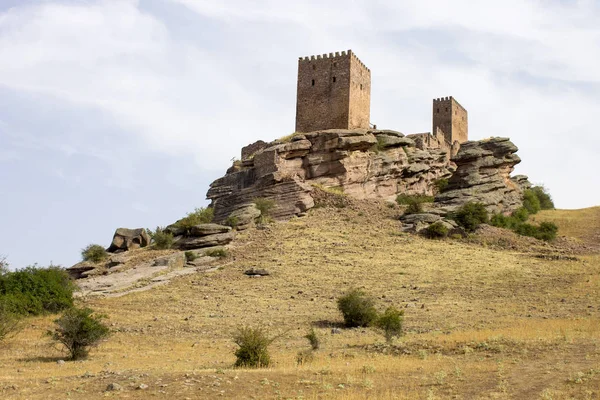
(451,119)
(334,91)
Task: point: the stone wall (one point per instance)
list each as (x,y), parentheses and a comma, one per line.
(334,91)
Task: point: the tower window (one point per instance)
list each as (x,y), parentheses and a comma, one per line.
(314,67)
(446,109)
(361,86)
(313,82)
(335,64)
(438,110)
(334,78)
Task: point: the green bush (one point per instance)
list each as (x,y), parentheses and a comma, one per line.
(545,231)
(390,322)
(544,198)
(94,253)
(9,322)
(3,266)
(520,215)
(313,339)
(531,203)
(36,291)
(200,215)
(357,309)
(436,230)
(253,348)
(265,206)
(470,216)
(78,329)
(414,207)
(441,185)
(162,239)
(221,253)
(190,256)
(232,221)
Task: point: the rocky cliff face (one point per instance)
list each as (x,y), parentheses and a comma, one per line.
(482,175)
(361,163)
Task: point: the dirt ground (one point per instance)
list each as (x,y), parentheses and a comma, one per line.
(484,319)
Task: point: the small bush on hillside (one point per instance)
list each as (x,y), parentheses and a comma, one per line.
(78,329)
(305,357)
(471,215)
(531,203)
(221,253)
(162,239)
(441,185)
(35,291)
(232,221)
(253,348)
(436,230)
(545,231)
(9,322)
(357,309)
(390,322)
(520,215)
(414,207)
(313,339)
(265,206)
(94,253)
(190,256)
(199,216)
(544,197)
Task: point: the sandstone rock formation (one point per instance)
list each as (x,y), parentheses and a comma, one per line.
(361,163)
(482,175)
(126,239)
(200,236)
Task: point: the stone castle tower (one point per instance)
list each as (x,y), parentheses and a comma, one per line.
(450,119)
(334,91)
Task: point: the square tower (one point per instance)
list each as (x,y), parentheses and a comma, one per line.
(451,118)
(334,91)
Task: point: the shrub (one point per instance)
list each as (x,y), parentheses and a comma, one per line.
(190,256)
(547,231)
(3,266)
(313,339)
(78,329)
(441,185)
(221,253)
(200,215)
(390,322)
(414,207)
(94,253)
(162,239)
(520,215)
(531,203)
(305,357)
(471,215)
(265,206)
(232,221)
(253,348)
(357,308)
(9,322)
(436,230)
(36,291)
(544,197)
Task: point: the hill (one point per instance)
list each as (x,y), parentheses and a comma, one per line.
(481,320)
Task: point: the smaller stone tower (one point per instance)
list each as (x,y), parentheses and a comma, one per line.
(451,119)
(334,91)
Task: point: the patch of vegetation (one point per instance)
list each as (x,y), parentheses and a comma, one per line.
(232,221)
(9,322)
(470,216)
(221,253)
(440,185)
(190,256)
(288,138)
(265,206)
(357,308)
(35,291)
(202,215)
(545,231)
(313,339)
(531,203)
(329,196)
(253,348)
(162,239)
(437,230)
(305,357)
(544,197)
(390,322)
(3,265)
(94,253)
(78,329)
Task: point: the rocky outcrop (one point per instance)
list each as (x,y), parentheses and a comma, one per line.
(126,239)
(482,175)
(204,235)
(362,164)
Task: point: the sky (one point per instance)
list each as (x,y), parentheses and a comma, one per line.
(120,113)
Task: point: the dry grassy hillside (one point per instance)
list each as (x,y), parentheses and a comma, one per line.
(481,322)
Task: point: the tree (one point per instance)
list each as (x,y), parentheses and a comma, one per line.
(78,329)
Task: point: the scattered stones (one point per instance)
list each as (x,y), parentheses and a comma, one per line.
(142,386)
(126,239)
(336,331)
(61,362)
(113,387)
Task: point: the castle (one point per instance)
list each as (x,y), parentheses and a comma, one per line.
(334,92)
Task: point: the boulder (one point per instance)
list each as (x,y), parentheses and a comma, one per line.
(192,242)
(176,260)
(126,239)
(81,270)
(245,215)
(207,229)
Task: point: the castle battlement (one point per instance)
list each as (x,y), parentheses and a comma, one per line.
(337,54)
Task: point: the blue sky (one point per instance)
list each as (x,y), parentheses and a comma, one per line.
(120,112)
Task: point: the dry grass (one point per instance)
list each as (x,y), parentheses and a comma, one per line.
(480,323)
